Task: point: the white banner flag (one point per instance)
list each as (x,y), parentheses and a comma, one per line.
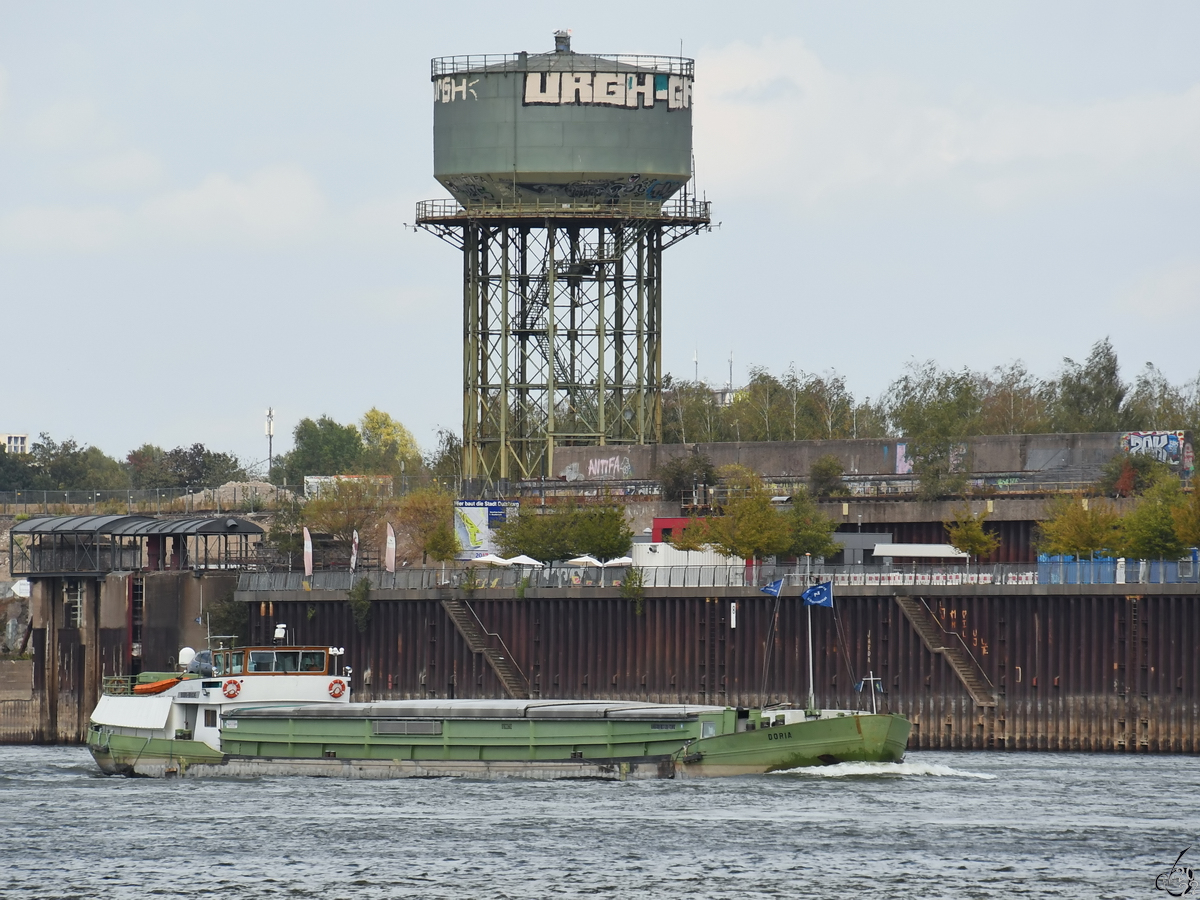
(354,552)
(307,554)
(389,560)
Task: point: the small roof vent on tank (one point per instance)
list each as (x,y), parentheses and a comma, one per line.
(562,127)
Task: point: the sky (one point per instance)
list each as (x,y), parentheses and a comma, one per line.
(205,208)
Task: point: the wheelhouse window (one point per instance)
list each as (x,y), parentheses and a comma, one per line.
(218,663)
(312,661)
(262,660)
(287,660)
(236,662)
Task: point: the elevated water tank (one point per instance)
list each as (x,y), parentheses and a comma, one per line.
(562,126)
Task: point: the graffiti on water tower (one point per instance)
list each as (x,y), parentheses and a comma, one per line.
(1171,447)
(600,468)
(627,90)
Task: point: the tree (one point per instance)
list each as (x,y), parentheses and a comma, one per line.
(679,475)
(388,448)
(832,404)
(968,534)
(554,533)
(1078,528)
(444,464)
(323,447)
(935,411)
(198,466)
(811,531)
(825,477)
(749,527)
(147,467)
(1130,475)
(17,471)
(346,507)
(1088,397)
(150,466)
(425,525)
(1149,531)
(690,413)
(600,532)
(1187,520)
(67,466)
(1155,404)
(539,532)
(1012,402)
(759,411)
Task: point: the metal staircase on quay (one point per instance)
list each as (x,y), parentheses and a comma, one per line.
(490,645)
(952,648)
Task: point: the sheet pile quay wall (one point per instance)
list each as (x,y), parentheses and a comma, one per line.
(1086,668)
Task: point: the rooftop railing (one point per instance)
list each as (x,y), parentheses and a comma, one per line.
(566,62)
(684,210)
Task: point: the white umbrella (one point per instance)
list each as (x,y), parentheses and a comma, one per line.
(524,560)
(490,559)
(619,561)
(583,561)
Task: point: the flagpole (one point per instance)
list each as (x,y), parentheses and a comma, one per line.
(811,699)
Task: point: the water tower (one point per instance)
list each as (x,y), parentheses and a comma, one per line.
(569,174)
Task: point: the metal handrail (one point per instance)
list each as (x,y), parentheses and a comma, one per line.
(690,209)
(519,62)
(491,634)
(961,640)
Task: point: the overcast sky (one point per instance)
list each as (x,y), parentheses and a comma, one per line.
(203,205)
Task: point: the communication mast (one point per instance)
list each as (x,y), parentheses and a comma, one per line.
(569,174)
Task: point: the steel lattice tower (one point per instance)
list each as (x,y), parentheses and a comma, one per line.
(562,271)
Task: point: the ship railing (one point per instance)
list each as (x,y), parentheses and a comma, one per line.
(581,62)
(119,685)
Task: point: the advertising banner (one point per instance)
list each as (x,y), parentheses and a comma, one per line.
(474,521)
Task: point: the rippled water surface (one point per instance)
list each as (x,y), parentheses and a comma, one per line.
(938,825)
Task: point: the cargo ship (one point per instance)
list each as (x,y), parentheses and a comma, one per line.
(286,711)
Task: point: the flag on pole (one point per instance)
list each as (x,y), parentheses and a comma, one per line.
(819,595)
(354,551)
(389,559)
(307,554)
(773,588)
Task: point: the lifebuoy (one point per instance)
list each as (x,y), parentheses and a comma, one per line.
(337,687)
(231,689)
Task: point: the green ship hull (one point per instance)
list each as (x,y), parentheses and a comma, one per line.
(490,739)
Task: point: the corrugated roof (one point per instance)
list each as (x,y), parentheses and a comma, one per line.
(135,525)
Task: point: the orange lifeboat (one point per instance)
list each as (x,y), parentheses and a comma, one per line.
(156,687)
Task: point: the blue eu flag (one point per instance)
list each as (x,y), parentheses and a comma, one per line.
(819,595)
(773,588)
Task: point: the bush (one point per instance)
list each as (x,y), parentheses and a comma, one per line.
(680,474)
(360,603)
(825,478)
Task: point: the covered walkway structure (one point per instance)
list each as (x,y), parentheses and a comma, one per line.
(95,545)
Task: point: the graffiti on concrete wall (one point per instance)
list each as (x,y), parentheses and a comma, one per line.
(628,90)
(615,467)
(1171,447)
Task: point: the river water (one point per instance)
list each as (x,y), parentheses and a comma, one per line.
(938,825)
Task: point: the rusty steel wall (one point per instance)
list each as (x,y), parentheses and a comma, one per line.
(1070,672)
